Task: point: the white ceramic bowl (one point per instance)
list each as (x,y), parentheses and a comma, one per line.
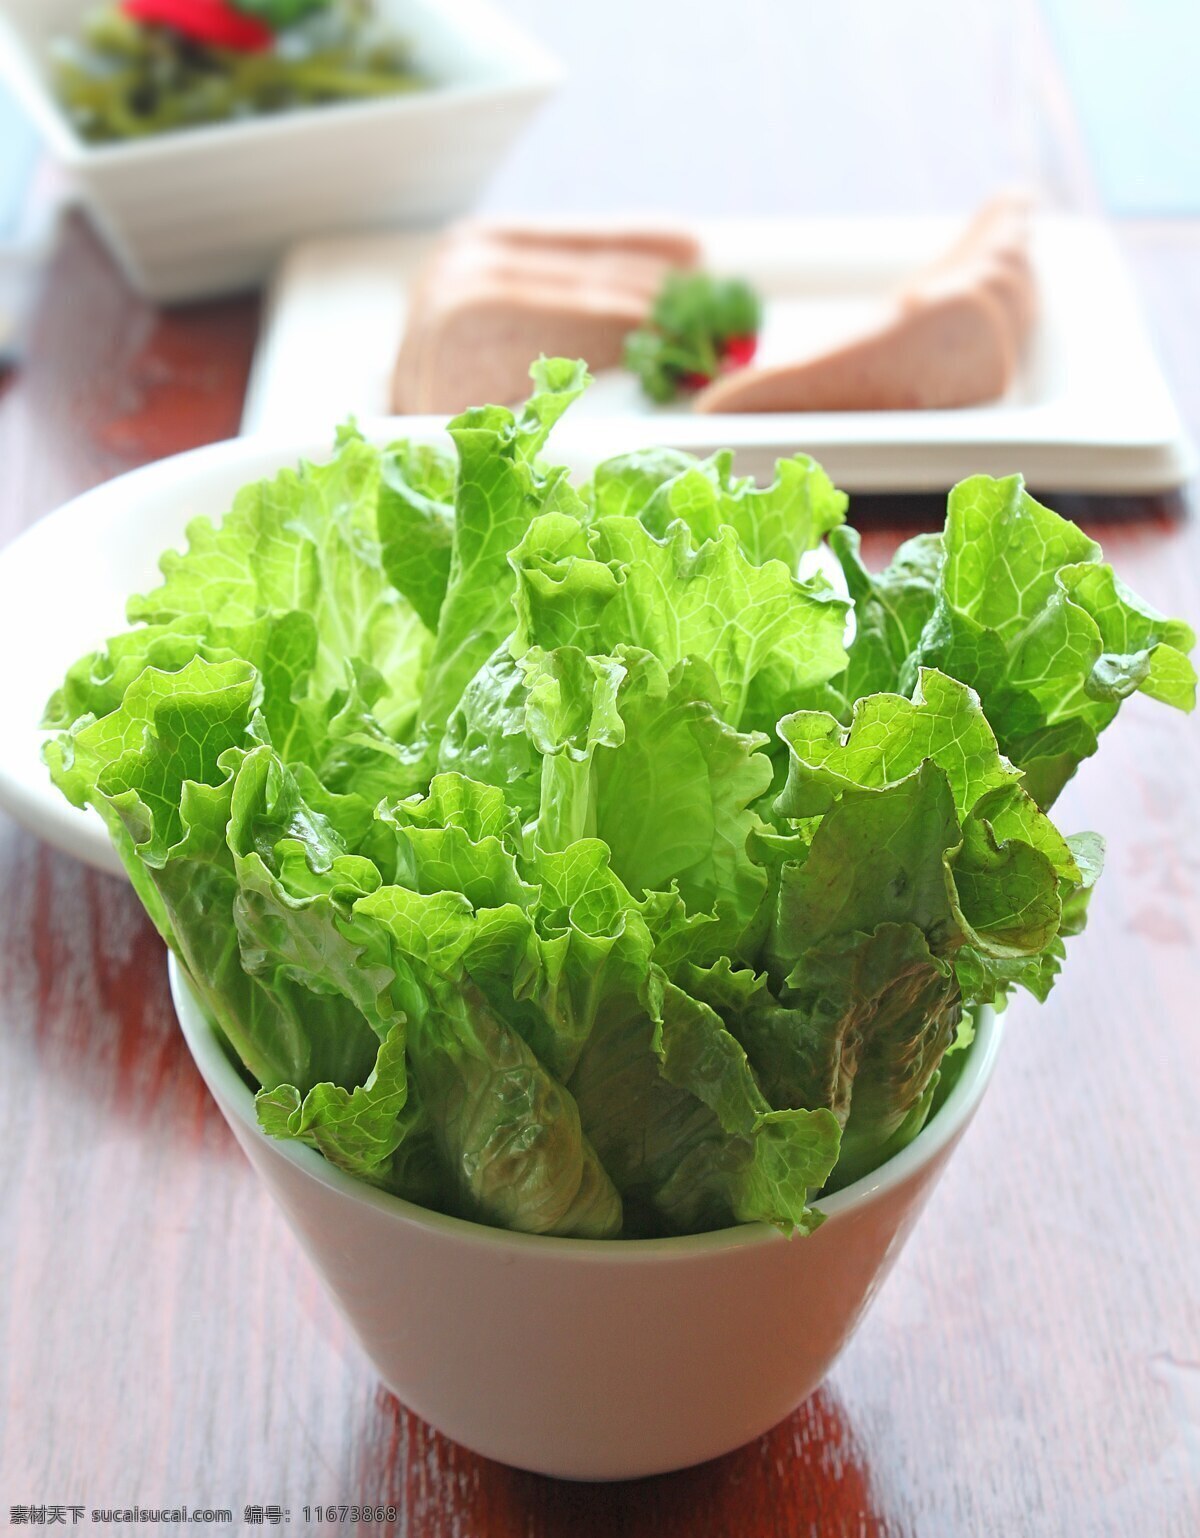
(212,209)
(593,1359)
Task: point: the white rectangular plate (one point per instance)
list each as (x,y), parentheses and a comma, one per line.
(1089,410)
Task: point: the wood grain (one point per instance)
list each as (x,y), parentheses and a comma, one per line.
(1033,1365)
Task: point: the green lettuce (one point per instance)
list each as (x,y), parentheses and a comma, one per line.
(1050,638)
(558,858)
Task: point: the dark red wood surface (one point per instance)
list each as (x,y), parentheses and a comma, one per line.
(1032,1366)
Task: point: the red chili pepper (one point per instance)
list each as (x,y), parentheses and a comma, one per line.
(695,381)
(213,22)
(738,351)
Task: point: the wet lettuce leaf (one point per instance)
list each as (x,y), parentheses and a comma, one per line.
(1048,636)
(558,858)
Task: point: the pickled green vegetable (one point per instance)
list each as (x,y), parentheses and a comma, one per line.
(121,79)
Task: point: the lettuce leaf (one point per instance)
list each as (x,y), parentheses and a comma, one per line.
(560,859)
(766,635)
(415,515)
(779,522)
(1028,615)
(891,609)
(501,488)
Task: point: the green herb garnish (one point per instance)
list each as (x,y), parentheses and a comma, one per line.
(700,326)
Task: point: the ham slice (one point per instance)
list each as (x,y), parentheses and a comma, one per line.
(674,247)
(954,350)
(951,336)
(493,297)
(995,246)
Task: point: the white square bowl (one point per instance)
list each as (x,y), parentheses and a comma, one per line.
(209,210)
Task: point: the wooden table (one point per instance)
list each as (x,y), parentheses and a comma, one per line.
(1033,1365)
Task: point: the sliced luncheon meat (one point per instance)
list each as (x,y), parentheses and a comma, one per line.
(674,247)
(995,244)
(952,336)
(494,297)
(480,348)
(955,349)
